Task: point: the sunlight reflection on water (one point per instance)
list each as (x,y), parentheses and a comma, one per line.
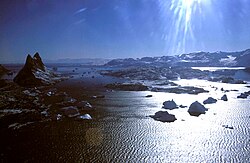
(132,136)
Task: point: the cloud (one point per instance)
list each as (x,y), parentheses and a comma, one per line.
(80,10)
(79,22)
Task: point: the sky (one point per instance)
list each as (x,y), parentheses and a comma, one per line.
(121,28)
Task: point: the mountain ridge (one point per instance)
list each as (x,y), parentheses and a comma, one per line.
(195,59)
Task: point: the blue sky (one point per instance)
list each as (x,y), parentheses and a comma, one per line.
(121,28)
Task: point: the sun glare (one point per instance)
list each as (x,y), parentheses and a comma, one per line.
(184,13)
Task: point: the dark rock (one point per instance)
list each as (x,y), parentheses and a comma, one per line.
(34,73)
(10,73)
(167,83)
(30,93)
(242,95)
(226,126)
(38,61)
(180,90)
(20,116)
(70,111)
(84,105)
(209,100)
(247,93)
(69,100)
(169,105)
(127,86)
(163,116)
(226,79)
(196,109)
(224,97)
(56,98)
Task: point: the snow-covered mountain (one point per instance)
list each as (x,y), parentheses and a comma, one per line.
(204,59)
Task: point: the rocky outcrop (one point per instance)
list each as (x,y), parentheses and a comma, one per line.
(180,90)
(227,79)
(163,116)
(70,111)
(209,100)
(127,86)
(224,97)
(196,109)
(243,95)
(169,105)
(34,73)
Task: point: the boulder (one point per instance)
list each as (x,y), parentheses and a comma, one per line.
(70,111)
(163,116)
(182,106)
(224,97)
(226,126)
(242,95)
(196,108)
(84,105)
(34,73)
(169,105)
(209,100)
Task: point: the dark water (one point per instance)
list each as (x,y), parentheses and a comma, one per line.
(121,130)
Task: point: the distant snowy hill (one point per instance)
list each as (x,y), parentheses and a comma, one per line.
(204,59)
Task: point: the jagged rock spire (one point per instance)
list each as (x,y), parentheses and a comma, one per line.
(33,73)
(29,62)
(38,61)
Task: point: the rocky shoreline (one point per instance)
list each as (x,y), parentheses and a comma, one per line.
(31,97)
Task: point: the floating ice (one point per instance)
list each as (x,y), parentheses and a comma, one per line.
(85,116)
